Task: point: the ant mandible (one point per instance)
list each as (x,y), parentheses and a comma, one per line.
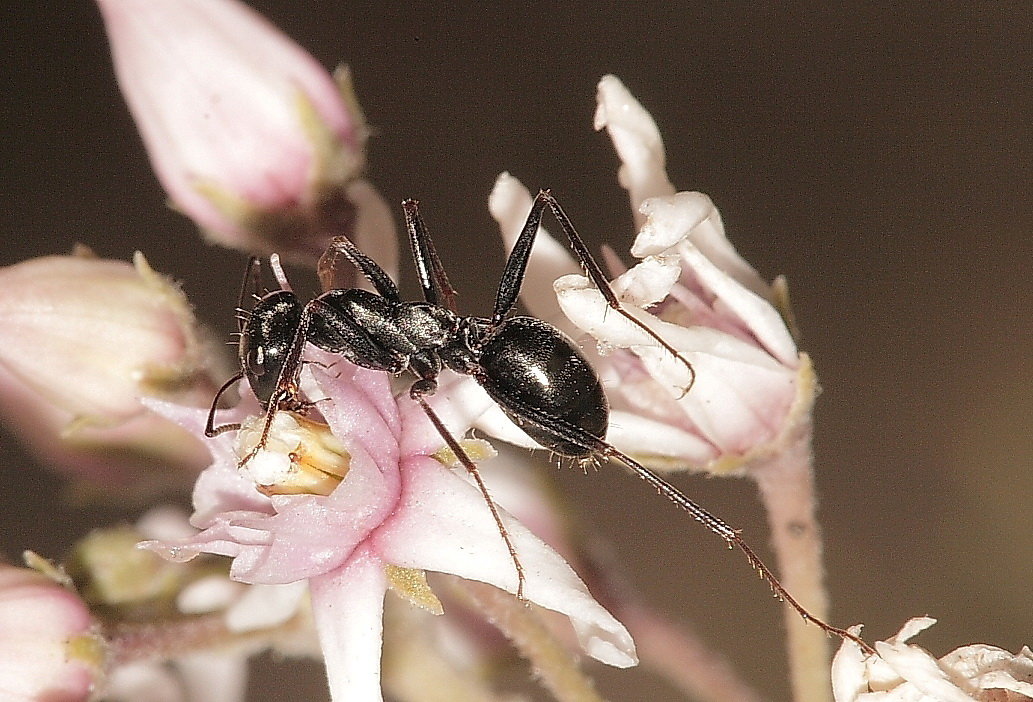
(533,371)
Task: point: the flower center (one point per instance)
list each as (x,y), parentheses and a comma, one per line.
(299,456)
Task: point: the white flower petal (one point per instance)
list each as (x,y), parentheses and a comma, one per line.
(692,217)
(264,606)
(848,671)
(348,608)
(213,678)
(740,391)
(143,681)
(648,282)
(904,672)
(755,312)
(642,437)
(920,669)
(443,524)
(509,204)
(637,141)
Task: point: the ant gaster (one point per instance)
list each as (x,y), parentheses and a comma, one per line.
(534,372)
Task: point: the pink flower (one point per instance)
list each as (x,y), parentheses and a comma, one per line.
(49,649)
(903,672)
(248,134)
(84,339)
(695,292)
(386,506)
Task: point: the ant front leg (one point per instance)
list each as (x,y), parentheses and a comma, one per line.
(418,391)
(516,267)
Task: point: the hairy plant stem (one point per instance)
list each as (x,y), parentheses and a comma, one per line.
(786,481)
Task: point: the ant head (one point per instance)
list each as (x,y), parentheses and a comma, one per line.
(266,344)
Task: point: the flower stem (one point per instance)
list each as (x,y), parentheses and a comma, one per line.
(143,641)
(786,483)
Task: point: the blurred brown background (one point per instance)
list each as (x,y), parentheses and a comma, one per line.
(879,158)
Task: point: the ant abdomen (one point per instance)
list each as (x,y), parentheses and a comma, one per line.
(544,384)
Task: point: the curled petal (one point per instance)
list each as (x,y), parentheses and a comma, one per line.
(904,672)
(741,394)
(692,218)
(643,172)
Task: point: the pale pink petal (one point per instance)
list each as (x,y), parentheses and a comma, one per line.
(348,607)
(443,524)
(459,402)
(643,437)
(314,534)
(734,300)
(113,327)
(364,414)
(222,487)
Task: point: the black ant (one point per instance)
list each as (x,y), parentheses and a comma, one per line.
(535,373)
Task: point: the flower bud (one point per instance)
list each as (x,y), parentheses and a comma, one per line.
(248,134)
(84,339)
(49,647)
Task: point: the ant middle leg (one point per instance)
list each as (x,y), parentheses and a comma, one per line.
(418,391)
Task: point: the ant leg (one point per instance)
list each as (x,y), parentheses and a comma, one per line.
(436,287)
(594,445)
(342,245)
(210,429)
(252,274)
(732,536)
(427,387)
(516,266)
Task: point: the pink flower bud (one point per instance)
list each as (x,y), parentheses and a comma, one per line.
(249,135)
(84,339)
(49,649)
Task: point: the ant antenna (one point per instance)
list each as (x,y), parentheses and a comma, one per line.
(281,277)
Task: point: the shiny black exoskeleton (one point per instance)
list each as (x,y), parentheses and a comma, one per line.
(534,372)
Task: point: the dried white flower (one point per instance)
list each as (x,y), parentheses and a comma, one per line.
(903,672)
